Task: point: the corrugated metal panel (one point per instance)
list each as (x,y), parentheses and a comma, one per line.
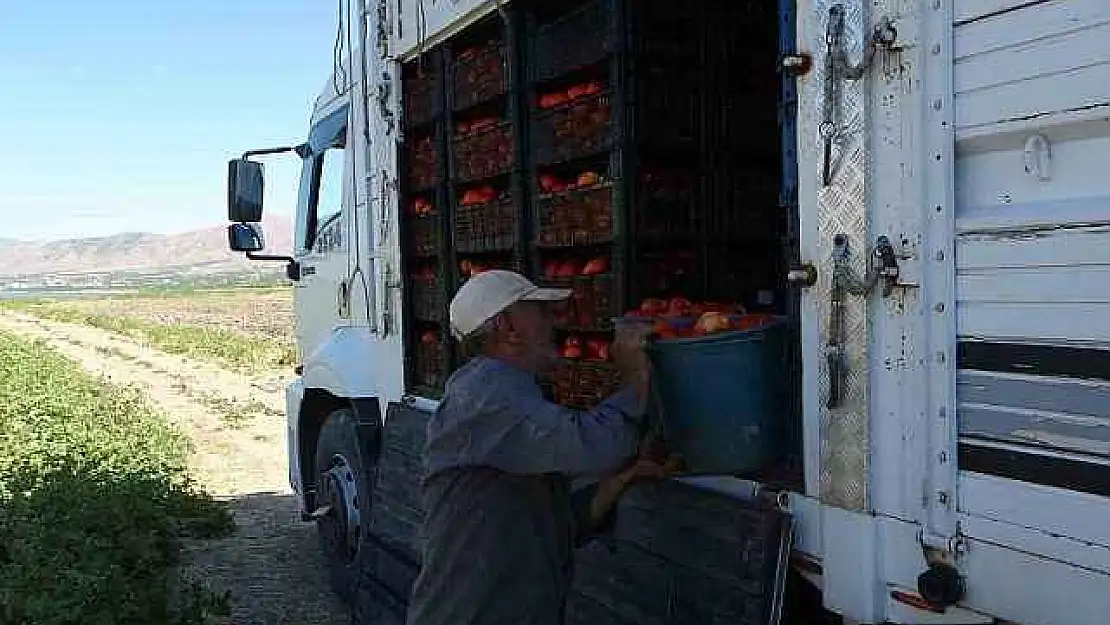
(1033,228)
(1047,58)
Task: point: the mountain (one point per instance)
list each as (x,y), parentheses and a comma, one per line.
(203,251)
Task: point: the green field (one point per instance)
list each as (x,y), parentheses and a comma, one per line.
(94,499)
(247,330)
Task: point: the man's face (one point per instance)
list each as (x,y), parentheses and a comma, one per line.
(533,331)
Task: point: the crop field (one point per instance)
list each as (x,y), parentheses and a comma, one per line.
(142,479)
(243,329)
(94,497)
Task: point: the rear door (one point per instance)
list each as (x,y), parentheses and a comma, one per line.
(1032,83)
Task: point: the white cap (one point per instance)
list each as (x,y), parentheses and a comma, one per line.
(490,292)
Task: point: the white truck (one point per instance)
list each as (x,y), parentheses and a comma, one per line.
(943,249)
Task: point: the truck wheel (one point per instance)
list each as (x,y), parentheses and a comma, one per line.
(343,477)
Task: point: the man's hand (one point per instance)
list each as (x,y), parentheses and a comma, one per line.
(609,490)
(629,352)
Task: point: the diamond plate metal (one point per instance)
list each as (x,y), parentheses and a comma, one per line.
(842,209)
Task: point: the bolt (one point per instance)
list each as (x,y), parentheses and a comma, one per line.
(942,498)
(940,357)
(942,457)
(936,48)
(939,307)
(938,104)
(939,256)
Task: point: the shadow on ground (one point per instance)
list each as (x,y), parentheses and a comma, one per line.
(272,565)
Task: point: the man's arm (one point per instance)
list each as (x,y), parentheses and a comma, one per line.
(538,436)
(593,505)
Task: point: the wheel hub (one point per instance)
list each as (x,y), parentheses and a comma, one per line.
(341,526)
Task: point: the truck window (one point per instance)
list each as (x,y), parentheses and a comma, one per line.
(326,203)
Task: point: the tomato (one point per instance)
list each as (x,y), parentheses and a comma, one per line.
(569,268)
(678,307)
(596,266)
(588,179)
(576,92)
(429,337)
(551,269)
(572,352)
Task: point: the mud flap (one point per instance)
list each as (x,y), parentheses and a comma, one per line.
(391,553)
(682,554)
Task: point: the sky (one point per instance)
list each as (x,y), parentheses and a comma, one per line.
(121,115)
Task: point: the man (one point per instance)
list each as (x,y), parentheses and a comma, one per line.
(502,520)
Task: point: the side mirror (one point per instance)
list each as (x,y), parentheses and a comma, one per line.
(245,238)
(244,191)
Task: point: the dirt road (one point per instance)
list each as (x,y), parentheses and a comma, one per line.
(271,565)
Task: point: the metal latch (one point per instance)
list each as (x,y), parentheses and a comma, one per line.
(838,70)
(882,265)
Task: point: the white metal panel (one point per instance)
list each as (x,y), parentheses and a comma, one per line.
(1040,60)
(1079,516)
(969,10)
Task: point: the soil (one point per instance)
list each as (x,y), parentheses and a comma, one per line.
(272,564)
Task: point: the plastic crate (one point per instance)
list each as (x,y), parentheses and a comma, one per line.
(577,217)
(592,303)
(428,363)
(421,97)
(480,75)
(578,128)
(484,153)
(665,205)
(583,384)
(578,39)
(486,227)
(423,164)
(428,301)
(425,238)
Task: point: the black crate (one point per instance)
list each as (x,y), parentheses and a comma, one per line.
(480,74)
(422,96)
(425,236)
(423,164)
(576,129)
(575,217)
(428,299)
(584,384)
(488,151)
(487,227)
(428,360)
(578,39)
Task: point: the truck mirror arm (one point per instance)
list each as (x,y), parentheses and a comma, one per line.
(292,267)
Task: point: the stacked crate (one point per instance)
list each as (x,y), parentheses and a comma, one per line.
(425,248)
(485,176)
(575,157)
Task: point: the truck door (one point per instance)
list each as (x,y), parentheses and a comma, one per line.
(321,235)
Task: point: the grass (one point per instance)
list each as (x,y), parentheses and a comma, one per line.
(94,499)
(227,348)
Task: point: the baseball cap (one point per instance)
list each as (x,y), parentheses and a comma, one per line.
(490,292)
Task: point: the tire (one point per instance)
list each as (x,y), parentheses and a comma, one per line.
(339,446)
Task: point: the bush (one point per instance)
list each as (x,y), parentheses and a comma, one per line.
(93,500)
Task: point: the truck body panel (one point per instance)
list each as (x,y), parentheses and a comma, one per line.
(985,174)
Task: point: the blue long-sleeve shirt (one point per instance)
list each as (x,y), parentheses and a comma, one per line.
(501,519)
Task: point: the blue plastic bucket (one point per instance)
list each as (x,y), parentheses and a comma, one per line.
(723,398)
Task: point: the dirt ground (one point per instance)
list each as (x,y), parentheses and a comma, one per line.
(271,565)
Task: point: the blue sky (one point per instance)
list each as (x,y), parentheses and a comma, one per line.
(120,115)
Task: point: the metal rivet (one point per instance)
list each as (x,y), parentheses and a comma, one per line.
(939,307)
(941,357)
(942,498)
(936,5)
(939,256)
(936,48)
(943,457)
(938,104)
(942,412)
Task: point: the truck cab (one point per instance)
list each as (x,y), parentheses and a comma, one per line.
(855,168)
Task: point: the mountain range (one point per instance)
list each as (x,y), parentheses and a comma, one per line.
(202,250)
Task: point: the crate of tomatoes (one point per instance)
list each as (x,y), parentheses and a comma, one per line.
(479,74)
(572,123)
(428,300)
(483,148)
(485,221)
(592,304)
(422,163)
(574,212)
(428,359)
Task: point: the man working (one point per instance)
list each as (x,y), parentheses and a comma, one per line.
(502,520)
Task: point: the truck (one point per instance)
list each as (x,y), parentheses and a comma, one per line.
(931,218)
